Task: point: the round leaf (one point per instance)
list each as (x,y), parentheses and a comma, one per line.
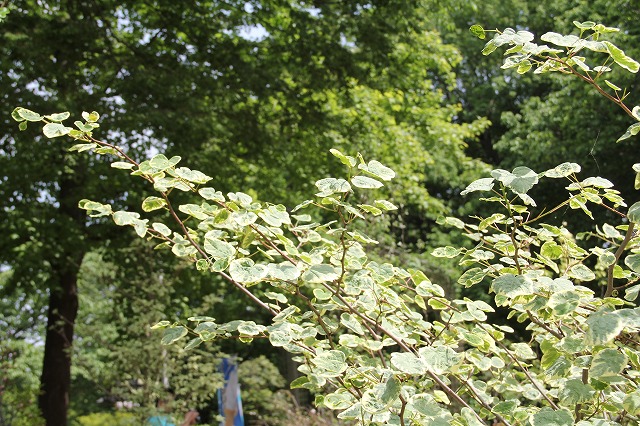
(173,334)
(365,182)
(246,271)
(332,363)
(218,249)
(408,363)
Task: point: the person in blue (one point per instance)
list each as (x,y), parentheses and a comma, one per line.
(164,419)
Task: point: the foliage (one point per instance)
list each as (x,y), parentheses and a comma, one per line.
(260,382)
(190,80)
(19,382)
(381,342)
(98,419)
(538,119)
(118,360)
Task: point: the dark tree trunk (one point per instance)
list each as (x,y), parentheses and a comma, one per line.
(56,370)
(68,233)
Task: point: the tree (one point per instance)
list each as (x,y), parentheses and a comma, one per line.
(359,326)
(535,120)
(188,79)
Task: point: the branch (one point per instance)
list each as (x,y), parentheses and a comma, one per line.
(617,255)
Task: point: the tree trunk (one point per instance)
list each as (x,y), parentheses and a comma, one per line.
(55,382)
(56,370)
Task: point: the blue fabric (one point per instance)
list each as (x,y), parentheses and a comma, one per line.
(159,421)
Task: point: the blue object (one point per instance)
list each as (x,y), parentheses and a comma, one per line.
(159,421)
(229,399)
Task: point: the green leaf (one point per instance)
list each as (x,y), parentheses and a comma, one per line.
(549,417)
(61,116)
(563,170)
(564,302)
(332,363)
(161,228)
(122,165)
(633,262)
(408,363)
(478,31)
(283,315)
(218,249)
(123,218)
(352,323)
(365,182)
(634,212)
(284,271)
(246,271)
(385,205)
(524,66)
(484,184)
(597,182)
(552,250)
(511,285)
(153,203)
(631,293)
(161,324)
(320,274)
(193,343)
(378,169)
(631,403)
(275,215)
(621,58)
(611,85)
(211,194)
(581,272)
(451,221)
(338,401)
(54,130)
(470,417)
(587,25)
(523,351)
(161,162)
(81,147)
(347,160)
(299,383)
(575,392)
(91,117)
(84,128)
(607,363)
(370,209)
(391,391)
(22,126)
(92,206)
(278,297)
(471,277)
(632,130)
(490,47)
(560,40)
(250,328)
(15,114)
(520,180)
(439,359)
(329,186)
(192,176)
(602,328)
(183,249)
(26,114)
(173,334)
(448,252)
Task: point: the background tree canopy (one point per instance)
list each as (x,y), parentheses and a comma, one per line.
(255,93)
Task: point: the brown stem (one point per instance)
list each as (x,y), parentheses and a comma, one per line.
(617,255)
(536,321)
